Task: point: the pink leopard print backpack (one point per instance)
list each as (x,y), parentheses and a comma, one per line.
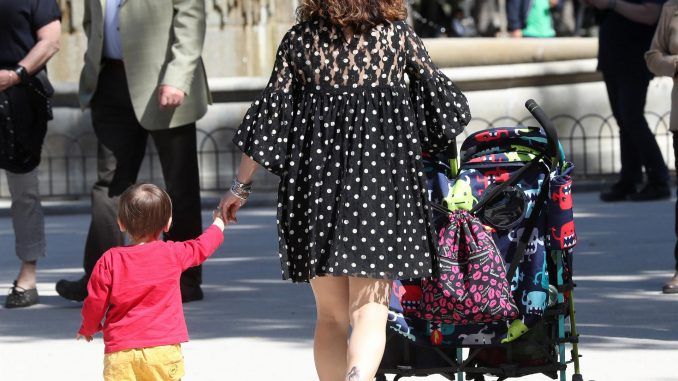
(472,285)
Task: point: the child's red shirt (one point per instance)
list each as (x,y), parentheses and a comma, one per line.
(137,289)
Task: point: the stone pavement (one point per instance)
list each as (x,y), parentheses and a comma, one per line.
(253,326)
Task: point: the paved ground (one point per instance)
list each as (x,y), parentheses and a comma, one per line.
(252,326)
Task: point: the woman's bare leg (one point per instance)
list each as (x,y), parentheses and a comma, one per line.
(368,311)
(331,328)
(26,278)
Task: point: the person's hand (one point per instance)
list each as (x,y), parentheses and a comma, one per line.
(8,79)
(229,206)
(518,33)
(87,338)
(170,97)
(217,219)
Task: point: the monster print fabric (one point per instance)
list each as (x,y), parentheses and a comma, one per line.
(560,221)
(345,132)
(472,285)
(488,158)
(492,157)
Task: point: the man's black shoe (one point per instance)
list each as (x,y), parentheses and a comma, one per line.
(652,192)
(191,294)
(671,287)
(75,290)
(618,192)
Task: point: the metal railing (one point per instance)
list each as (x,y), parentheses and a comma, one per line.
(68,167)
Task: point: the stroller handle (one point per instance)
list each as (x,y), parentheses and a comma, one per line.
(547,125)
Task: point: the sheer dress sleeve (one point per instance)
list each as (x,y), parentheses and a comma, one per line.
(441,109)
(263,134)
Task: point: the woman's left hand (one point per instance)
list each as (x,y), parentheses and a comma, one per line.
(229,206)
(7,79)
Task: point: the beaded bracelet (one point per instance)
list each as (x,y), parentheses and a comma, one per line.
(241,190)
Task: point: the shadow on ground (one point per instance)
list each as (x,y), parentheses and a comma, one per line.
(625,252)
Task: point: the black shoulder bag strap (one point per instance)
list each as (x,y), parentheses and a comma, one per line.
(528,227)
(513,180)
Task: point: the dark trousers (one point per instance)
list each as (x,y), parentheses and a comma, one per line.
(675,157)
(639,147)
(121,148)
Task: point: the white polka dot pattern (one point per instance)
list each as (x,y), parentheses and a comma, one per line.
(345,133)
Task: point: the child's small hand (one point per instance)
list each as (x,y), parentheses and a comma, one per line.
(87,338)
(216,215)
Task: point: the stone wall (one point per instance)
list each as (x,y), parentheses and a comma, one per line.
(570,92)
(496,75)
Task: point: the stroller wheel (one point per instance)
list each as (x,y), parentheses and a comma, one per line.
(577,377)
(381,377)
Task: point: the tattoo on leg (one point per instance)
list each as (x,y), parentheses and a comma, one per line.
(353,374)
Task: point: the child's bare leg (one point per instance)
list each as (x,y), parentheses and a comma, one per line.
(331,329)
(368,311)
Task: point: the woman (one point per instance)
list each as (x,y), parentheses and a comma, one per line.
(662,59)
(341,128)
(29,37)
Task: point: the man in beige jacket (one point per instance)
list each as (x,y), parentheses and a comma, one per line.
(143,75)
(662,60)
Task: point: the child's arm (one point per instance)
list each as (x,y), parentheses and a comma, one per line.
(96,303)
(196,251)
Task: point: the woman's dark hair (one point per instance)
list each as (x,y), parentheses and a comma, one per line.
(359,15)
(144,210)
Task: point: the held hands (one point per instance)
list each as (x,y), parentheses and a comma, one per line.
(228,207)
(237,196)
(218,220)
(170,97)
(87,338)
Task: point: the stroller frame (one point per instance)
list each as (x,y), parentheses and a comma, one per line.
(450,361)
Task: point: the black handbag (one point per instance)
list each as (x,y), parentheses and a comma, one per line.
(41,86)
(24,112)
(8,138)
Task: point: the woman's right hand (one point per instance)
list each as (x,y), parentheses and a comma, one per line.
(230,203)
(229,206)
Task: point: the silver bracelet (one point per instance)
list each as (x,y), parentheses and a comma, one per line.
(241,190)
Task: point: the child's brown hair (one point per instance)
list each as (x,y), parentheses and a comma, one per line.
(144,210)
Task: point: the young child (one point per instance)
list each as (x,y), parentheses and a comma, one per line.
(136,288)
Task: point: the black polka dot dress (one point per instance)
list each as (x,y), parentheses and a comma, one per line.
(345,132)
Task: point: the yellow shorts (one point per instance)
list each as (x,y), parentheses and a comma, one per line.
(145,364)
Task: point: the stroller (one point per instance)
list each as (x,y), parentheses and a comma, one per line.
(516,180)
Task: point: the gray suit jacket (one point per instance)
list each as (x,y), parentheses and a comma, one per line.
(162,43)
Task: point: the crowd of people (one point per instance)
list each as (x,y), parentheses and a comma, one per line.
(511,18)
(337,122)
